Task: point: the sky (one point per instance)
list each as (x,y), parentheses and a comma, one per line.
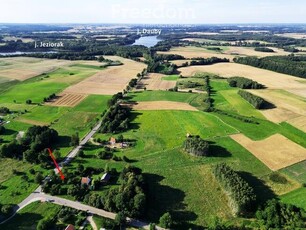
(153,11)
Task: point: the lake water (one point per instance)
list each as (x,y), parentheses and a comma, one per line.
(147,41)
(20,53)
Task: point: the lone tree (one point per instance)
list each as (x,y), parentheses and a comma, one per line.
(166,221)
(75,140)
(196,146)
(29,101)
(39,178)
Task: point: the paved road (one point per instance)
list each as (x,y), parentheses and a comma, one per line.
(74,152)
(37,195)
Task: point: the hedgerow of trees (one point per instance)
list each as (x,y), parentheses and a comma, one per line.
(254,100)
(264,49)
(196,146)
(241,195)
(244,83)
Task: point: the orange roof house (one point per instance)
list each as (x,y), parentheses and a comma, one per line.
(70,227)
(112,141)
(85,180)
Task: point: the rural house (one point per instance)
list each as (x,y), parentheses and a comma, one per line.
(112,141)
(85,180)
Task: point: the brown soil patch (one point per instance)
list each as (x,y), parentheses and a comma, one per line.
(109,81)
(276,152)
(162,105)
(153,81)
(69,100)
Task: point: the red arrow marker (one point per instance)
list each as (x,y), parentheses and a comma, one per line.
(56,165)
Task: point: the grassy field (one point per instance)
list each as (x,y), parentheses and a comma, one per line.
(93,104)
(171,78)
(42,86)
(27,218)
(296,197)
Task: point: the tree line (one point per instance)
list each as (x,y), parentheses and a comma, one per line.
(242,197)
(244,83)
(292,65)
(264,49)
(257,102)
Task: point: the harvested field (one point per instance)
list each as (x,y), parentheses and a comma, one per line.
(299,122)
(293,35)
(69,100)
(249,51)
(162,105)
(109,81)
(228,52)
(288,105)
(22,68)
(195,52)
(154,81)
(269,78)
(276,151)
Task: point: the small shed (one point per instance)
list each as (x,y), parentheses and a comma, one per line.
(85,180)
(105,178)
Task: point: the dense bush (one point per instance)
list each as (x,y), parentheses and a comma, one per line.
(241,195)
(196,146)
(244,83)
(254,100)
(4,110)
(276,215)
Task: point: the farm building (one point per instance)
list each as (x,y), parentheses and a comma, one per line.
(105,178)
(85,180)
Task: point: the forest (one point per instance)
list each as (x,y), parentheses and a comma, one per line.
(292,65)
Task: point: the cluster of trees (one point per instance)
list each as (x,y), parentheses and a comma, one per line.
(4,110)
(257,102)
(133,82)
(32,147)
(66,216)
(264,49)
(129,198)
(292,65)
(116,119)
(277,215)
(167,57)
(51,97)
(2,129)
(207,61)
(241,194)
(244,83)
(196,146)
